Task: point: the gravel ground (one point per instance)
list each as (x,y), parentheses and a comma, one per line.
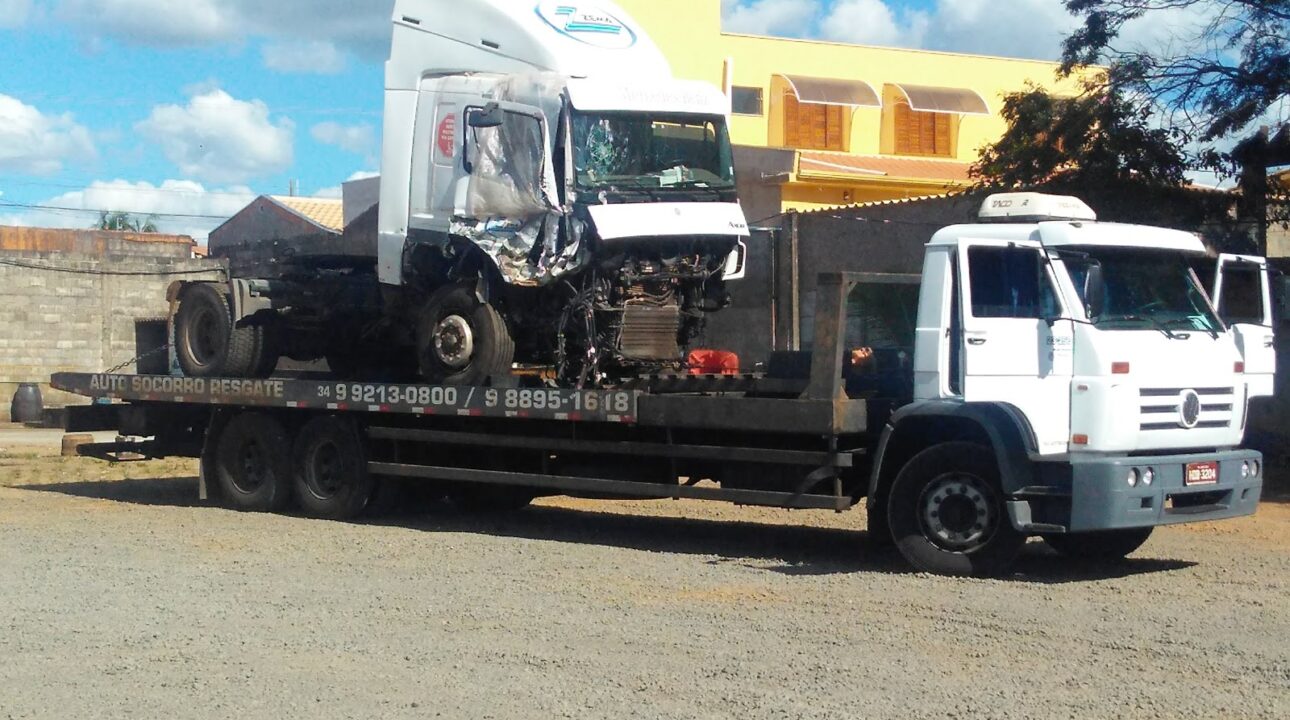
(121,597)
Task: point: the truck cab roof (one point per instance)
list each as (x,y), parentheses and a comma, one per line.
(446,37)
(1058,234)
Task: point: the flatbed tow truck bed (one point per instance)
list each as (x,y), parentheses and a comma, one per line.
(782,443)
(607,424)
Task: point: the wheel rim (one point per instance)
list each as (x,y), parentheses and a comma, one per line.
(205,341)
(253,468)
(454,342)
(325,474)
(958,512)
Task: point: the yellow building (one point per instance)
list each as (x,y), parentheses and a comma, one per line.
(842,124)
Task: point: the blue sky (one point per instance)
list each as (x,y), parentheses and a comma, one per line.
(196,106)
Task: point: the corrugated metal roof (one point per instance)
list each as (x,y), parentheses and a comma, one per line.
(327,213)
(879,203)
(884,166)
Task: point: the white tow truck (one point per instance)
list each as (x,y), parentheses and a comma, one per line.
(1045,375)
(550,196)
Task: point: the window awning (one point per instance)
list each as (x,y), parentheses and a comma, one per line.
(958,101)
(827,91)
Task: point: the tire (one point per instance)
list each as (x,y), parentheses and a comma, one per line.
(462,341)
(1103,546)
(330,462)
(253,463)
(947,513)
(266,355)
(206,341)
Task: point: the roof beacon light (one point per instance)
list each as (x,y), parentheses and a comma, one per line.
(1035,207)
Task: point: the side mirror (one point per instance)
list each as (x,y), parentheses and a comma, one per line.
(489,117)
(1095,291)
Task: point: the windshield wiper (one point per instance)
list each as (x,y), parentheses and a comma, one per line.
(1162,327)
(1208,329)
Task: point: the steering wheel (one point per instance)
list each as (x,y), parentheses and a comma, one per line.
(1152,307)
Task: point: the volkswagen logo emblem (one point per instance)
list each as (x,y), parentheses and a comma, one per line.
(1189,409)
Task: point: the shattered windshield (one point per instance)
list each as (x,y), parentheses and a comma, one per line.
(1144,289)
(631,151)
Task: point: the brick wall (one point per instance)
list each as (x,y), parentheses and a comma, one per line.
(54,321)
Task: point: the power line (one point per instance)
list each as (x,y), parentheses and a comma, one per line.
(113,273)
(89,186)
(54,208)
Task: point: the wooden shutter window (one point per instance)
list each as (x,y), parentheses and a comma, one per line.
(921,133)
(811,126)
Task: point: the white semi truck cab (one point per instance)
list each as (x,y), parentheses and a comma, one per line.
(552,203)
(1111,388)
(542,153)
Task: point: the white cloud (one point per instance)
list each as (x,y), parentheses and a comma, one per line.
(39,144)
(14,13)
(971,26)
(873,22)
(1014,28)
(219,138)
(152,22)
(360,27)
(304,56)
(769,17)
(168,200)
(357,139)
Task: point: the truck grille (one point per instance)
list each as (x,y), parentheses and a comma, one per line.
(1162,408)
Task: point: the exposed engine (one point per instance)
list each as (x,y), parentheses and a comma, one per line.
(639,322)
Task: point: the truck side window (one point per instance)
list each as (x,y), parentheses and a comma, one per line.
(1009,282)
(1242,295)
(508,166)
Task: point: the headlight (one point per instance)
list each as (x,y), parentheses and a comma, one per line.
(1255,468)
(1134,477)
(1245,470)
(1149,477)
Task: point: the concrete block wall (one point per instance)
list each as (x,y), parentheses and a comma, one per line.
(53,320)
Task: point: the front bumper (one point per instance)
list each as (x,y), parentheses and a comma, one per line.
(1092,493)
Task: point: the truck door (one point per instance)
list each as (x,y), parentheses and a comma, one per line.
(1243,298)
(508,159)
(1017,341)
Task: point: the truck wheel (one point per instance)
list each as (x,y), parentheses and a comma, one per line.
(265,357)
(206,341)
(253,463)
(462,341)
(332,481)
(1103,546)
(947,513)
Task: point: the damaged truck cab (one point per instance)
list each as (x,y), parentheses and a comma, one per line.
(552,203)
(541,160)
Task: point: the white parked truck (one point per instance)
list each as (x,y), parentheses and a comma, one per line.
(1045,375)
(549,196)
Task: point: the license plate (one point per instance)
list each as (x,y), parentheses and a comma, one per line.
(1205,473)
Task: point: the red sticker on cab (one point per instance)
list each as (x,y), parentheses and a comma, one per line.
(447,136)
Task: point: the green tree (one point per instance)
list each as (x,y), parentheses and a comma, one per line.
(125,222)
(1222,78)
(1097,138)
(1109,150)
(1226,67)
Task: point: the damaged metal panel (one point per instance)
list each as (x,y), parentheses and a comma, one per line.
(513,211)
